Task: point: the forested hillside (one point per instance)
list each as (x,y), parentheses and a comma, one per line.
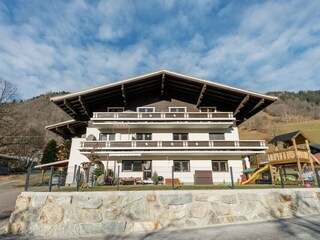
(293,111)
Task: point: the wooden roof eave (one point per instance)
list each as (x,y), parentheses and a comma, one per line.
(165,81)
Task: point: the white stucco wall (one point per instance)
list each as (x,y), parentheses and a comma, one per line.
(76,158)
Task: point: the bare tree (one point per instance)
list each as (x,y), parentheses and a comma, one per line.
(8,91)
(9,120)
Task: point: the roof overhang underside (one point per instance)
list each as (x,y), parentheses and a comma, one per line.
(164,85)
(69,129)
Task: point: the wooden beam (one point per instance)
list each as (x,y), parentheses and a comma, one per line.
(68,105)
(257,105)
(162,84)
(84,105)
(204,87)
(124,95)
(60,131)
(241,105)
(72,129)
(297,159)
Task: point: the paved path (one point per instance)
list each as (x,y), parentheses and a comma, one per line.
(8,196)
(289,229)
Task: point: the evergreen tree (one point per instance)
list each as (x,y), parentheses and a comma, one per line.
(50,152)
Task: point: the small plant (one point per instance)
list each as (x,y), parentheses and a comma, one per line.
(154,178)
(98,171)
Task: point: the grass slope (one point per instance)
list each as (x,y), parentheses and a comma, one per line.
(310,129)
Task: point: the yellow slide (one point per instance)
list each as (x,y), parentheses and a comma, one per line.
(256,174)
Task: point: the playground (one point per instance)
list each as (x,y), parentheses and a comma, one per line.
(290,160)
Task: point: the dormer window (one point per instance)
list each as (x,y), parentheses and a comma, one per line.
(177,109)
(145,109)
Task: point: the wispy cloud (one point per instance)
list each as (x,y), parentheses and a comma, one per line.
(71,45)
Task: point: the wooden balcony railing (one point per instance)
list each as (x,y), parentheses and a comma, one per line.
(149,145)
(161,115)
(287,155)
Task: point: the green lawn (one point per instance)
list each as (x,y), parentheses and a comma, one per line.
(162,187)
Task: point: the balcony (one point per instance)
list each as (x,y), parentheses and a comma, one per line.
(176,146)
(287,156)
(174,120)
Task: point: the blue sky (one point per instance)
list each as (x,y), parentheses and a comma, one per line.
(72,45)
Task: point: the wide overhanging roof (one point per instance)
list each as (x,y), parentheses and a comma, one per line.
(69,129)
(165,85)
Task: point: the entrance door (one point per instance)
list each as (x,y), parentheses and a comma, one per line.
(147,170)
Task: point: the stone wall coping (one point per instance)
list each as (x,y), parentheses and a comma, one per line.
(155,192)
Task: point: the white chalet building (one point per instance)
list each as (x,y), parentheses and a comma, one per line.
(159,120)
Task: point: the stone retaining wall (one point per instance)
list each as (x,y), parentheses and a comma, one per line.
(72,214)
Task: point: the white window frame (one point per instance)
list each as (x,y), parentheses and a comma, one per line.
(108,134)
(214,109)
(185,109)
(153,109)
(115,108)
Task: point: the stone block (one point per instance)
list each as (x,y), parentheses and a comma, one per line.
(249,197)
(38,201)
(201,197)
(75,216)
(111,227)
(221,208)
(151,197)
(87,202)
(304,194)
(234,219)
(17,227)
(51,214)
(100,180)
(137,211)
(199,211)
(173,213)
(175,199)
(62,201)
(229,199)
(111,199)
(213,218)
(37,229)
(131,198)
(146,226)
(23,202)
(65,230)
(112,213)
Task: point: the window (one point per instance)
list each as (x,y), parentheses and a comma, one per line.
(181,165)
(145,109)
(177,109)
(180,136)
(144,136)
(216,136)
(132,166)
(208,109)
(107,136)
(115,109)
(220,166)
